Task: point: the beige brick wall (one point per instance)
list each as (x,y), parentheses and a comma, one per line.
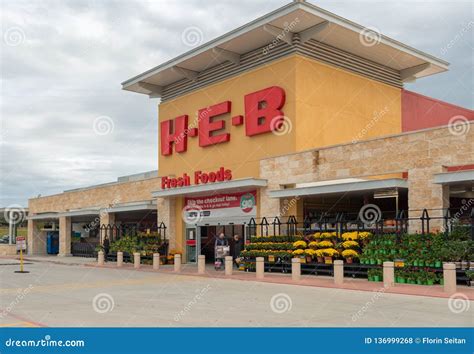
(421,154)
(101,196)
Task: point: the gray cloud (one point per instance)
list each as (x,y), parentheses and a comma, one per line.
(68,58)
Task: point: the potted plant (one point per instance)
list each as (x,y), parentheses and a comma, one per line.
(349,255)
(329,253)
(430,278)
(470,277)
(319,256)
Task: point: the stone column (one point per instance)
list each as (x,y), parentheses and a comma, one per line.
(201,264)
(260,267)
(449,276)
(388,274)
(424,194)
(228,265)
(119,259)
(100,258)
(65,231)
(296,269)
(36,240)
(338,272)
(106,218)
(136,260)
(156,261)
(177,263)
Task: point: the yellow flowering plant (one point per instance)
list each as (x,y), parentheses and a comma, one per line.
(350,244)
(298,252)
(328,235)
(313,244)
(350,236)
(310,252)
(350,254)
(364,235)
(330,252)
(325,244)
(300,244)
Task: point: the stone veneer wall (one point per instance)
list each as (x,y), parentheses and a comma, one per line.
(101,196)
(422,154)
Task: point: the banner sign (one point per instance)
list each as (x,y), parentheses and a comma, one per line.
(232,207)
(21,243)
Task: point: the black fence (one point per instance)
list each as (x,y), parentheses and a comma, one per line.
(346,222)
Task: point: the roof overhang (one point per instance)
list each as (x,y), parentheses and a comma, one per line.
(43,216)
(220,187)
(136,206)
(312,23)
(332,188)
(454,177)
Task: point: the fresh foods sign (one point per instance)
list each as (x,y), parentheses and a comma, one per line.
(199,177)
(262,115)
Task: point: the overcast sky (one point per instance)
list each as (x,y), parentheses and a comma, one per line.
(66,123)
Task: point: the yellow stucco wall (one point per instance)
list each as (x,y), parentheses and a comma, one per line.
(325,105)
(334,106)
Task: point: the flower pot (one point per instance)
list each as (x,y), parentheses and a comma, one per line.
(397,279)
(376,278)
(415,263)
(419,282)
(429,282)
(421,263)
(441,281)
(370,278)
(379,262)
(411,281)
(320,260)
(393,251)
(372,261)
(402,280)
(309,259)
(349,260)
(328,260)
(437,264)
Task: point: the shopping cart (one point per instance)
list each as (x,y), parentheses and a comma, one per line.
(220,253)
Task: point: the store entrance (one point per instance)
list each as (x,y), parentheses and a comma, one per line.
(209,233)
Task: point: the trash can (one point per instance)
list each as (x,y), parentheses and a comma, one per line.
(52,242)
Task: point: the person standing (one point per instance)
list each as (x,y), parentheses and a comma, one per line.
(238,246)
(220,243)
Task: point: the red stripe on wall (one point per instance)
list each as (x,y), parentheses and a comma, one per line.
(421,112)
(460,168)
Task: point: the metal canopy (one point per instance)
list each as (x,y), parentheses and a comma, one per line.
(454,177)
(332,188)
(308,21)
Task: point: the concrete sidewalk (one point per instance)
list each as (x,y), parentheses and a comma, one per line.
(276,278)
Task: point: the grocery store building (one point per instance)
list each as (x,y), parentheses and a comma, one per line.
(300,112)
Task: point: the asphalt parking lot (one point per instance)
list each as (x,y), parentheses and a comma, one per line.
(75,296)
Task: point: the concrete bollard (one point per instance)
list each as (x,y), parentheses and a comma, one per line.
(100,258)
(338,272)
(177,263)
(119,259)
(228,265)
(449,276)
(388,274)
(260,267)
(156,261)
(136,260)
(201,264)
(296,269)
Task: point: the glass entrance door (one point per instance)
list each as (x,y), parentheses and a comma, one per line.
(191,245)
